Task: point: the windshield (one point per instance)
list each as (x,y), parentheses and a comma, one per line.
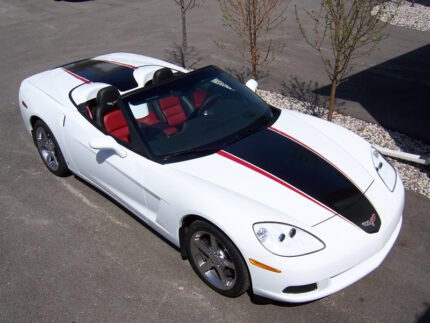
(196,113)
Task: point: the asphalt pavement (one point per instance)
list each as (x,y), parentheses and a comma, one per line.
(69,254)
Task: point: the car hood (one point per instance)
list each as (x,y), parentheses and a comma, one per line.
(294,168)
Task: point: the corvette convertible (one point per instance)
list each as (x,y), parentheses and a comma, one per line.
(288,206)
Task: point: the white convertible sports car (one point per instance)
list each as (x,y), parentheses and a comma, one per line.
(290,206)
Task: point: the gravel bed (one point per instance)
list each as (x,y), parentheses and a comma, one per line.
(416,17)
(415,177)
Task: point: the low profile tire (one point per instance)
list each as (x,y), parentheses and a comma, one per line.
(49,150)
(216,260)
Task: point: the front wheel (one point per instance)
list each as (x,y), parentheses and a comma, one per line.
(49,150)
(216,260)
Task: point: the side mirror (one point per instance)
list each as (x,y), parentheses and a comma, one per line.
(252,84)
(107,143)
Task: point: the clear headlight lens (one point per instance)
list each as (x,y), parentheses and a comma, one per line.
(384,169)
(286,240)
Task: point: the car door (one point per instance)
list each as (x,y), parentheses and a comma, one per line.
(120,172)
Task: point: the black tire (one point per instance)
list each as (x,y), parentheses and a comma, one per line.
(216,260)
(49,150)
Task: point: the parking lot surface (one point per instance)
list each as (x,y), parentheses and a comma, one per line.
(69,254)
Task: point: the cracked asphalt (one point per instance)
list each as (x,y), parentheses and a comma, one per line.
(69,254)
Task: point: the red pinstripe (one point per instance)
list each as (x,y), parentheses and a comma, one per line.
(76,76)
(272,177)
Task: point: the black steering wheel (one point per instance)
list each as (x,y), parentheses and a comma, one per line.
(208,103)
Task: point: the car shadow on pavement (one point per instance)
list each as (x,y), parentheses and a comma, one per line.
(395,93)
(260,300)
(421,2)
(425,318)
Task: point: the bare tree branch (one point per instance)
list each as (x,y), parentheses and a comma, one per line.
(252,21)
(180,55)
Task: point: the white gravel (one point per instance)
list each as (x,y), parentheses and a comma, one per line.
(415,177)
(416,17)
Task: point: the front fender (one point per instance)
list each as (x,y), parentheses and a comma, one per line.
(231,212)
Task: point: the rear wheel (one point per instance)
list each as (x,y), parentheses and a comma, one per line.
(49,150)
(216,260)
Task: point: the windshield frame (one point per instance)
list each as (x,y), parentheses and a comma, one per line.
(207,149)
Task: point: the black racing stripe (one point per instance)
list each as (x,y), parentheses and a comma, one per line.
(100,71)
(305,170)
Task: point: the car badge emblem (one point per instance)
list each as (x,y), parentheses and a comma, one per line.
(370,222)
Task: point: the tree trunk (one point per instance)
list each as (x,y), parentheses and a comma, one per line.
(253,43)
(254,63)
(184,34)
(332,99)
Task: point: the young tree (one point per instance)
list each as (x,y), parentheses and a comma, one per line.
(349,30)
(183,54)
(252,21)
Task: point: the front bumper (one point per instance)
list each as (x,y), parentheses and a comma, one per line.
(350,254)
(324,287)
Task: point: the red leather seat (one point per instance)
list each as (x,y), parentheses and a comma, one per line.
(169,108)
(172,110)
(152,120)
(116,125)
(108,114)
(199,97)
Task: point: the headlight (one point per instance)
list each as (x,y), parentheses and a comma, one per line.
(384,169)
(286,240)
